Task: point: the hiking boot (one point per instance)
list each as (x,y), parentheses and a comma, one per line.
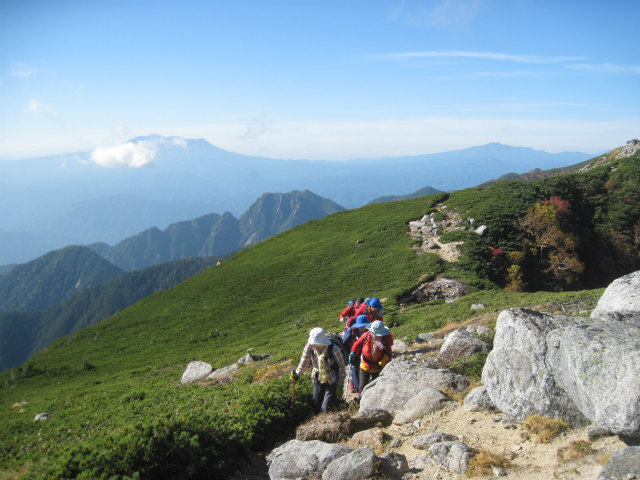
(352,389)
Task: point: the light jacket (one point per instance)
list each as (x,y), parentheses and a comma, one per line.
(309,357)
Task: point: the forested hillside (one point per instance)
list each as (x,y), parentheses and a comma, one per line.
(22,334)
(113,389)
(48,280)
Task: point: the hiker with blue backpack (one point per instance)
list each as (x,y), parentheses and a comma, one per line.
(351,335)
(374,350)
(328,370)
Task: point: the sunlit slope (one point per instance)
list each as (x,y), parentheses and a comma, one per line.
(255,299)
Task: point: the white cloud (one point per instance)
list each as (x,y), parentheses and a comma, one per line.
(127,155)
(497,56)
(179,142)
(40,109)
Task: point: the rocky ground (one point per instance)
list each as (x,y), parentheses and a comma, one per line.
(486,430)
(480,430)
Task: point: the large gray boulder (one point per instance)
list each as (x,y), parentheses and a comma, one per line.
(401,379)
(516,374)
(460,343)
(478,400)
(598,365)
(196,371)
(427,400)
(357,465)
(620,300)
(297,459)
(221,372)
(624,464)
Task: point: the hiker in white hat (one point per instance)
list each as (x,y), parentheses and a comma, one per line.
(328,368)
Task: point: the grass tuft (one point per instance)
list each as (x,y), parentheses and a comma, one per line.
(482,463)
(575,450)
(542,429)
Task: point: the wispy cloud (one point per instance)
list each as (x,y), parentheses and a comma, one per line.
(22,70)
(512,74)
(445,14)
(609,68)
(255,128)
(496,56)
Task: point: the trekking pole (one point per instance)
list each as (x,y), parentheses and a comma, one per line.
(346,388)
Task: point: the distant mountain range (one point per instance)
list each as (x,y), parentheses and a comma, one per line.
(50,202)
(77,286)
(213,234)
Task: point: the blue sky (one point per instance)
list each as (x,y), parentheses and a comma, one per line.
(319,79)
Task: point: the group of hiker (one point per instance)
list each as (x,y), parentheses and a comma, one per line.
(365,343)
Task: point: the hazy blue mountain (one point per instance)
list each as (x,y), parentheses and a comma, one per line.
(22,334)
(49,202)
(274,213)
(213,234)
(46,281)
(418,193)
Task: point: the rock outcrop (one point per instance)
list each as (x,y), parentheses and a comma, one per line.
(460,343)
(478,400)
(403,379)
(598,365)
(516,374)
(581,370)
(427,400)
(357,465)
(620,300)
(624,464)
(297,459)
(196,371)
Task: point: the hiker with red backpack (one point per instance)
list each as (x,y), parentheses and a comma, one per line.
(371,307)
(361,305)
(351,335)
(328,370)
(348,312)
(374,349)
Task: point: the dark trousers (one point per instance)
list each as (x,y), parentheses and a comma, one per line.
(366,377)
(324,395)
(355,376)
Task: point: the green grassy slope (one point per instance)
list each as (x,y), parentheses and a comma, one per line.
(114,387)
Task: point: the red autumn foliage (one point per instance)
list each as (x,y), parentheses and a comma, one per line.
(563,207)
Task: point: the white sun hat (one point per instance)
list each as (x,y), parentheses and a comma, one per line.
(317,336)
